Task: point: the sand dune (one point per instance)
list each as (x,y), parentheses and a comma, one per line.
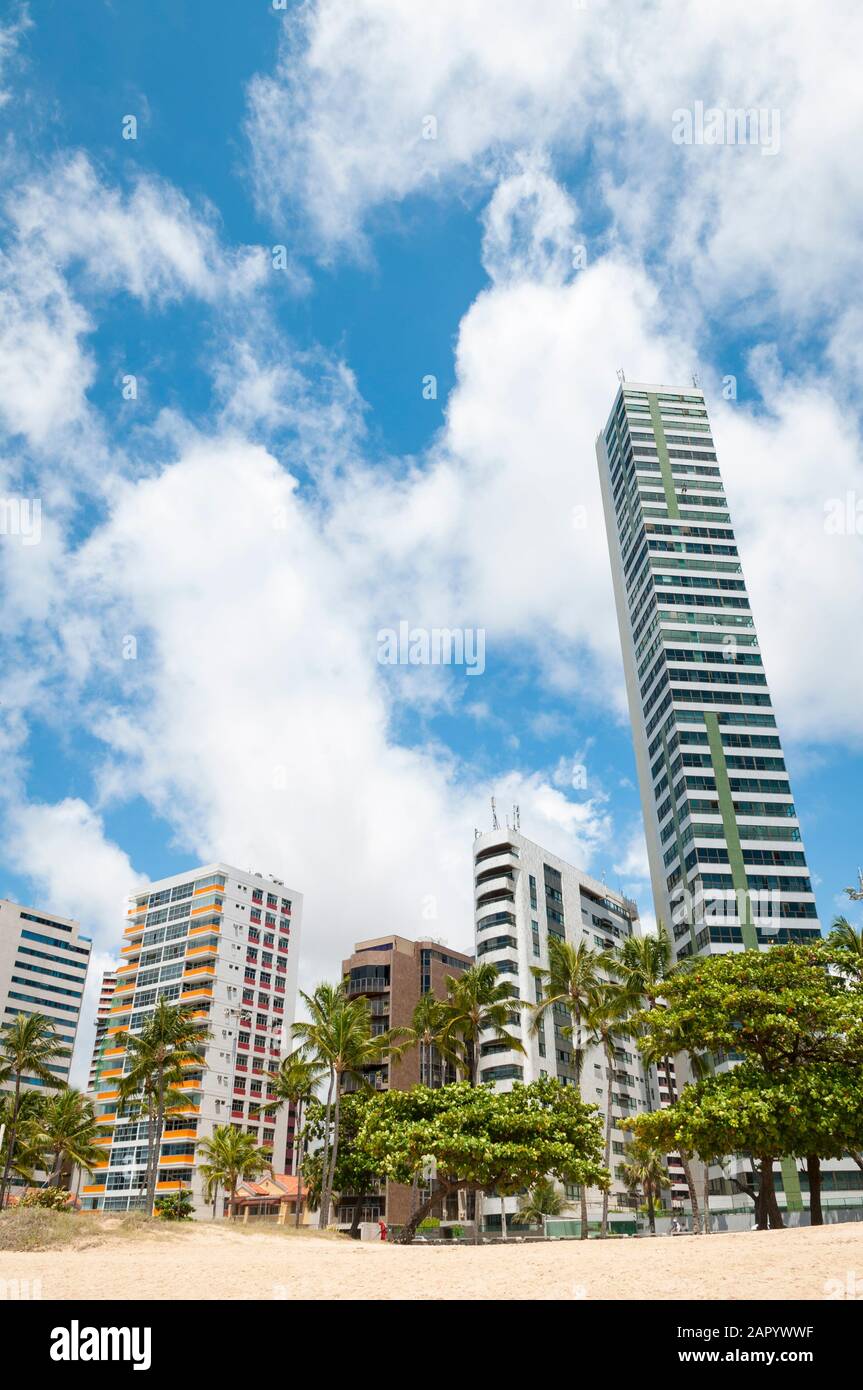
(218,1263)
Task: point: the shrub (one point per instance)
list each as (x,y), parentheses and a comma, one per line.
(48,1198)
(176,1206)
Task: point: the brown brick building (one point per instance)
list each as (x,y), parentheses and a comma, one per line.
(394,973)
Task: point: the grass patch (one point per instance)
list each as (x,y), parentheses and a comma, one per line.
(252,1227)
(36,1229)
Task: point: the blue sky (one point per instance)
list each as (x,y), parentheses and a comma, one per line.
(280,489)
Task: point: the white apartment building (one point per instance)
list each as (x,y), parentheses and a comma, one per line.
(103,1009)
(225,942)
(43,970)
(727,862)
(525,895)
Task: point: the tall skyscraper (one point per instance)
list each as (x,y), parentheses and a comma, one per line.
(103,1009)
(524,897)
(43,969)
(394,973)
(727,862)
(225,943)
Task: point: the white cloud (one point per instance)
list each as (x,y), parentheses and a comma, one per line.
(337,129)
(149,242)
(530,227)
(76,872)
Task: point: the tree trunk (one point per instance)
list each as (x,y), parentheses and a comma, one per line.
(693,1194)
(813,1169)
(215,1199)
(651,1214)
(232,1198)
(54,1180)
(603,1228)
(298,1163)
(10,1139)
(151,1134)
(408,1231)
(355,1218)
(157,1140)
(583,1233)
(857,1157)
(334,1148)
(769,1215)
(323,1214)
(503,1231)
(705,1215)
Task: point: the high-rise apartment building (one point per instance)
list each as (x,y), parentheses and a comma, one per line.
(103,1009)
(223,942)
(524,897)
(727,862)
(43,970)
(394,973)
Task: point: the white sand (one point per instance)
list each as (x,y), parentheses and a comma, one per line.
(215,1262)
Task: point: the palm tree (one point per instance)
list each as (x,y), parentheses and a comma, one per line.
(294,1084)
(847,939)
(230,1156)
(429,1032)
(544,1199)
(28,1046)
(27,1155)
(157,1058)
(568,984)
(605,1020)
(67,1132)
(477,1002)
(644,963)
(645,1169)
(339,1037)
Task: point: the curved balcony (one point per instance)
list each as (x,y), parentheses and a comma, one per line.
(500,891)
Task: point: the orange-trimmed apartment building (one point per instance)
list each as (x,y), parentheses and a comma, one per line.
(225,943)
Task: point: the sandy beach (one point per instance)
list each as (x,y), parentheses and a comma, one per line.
(218,1263)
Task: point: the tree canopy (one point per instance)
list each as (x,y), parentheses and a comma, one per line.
(476,1138)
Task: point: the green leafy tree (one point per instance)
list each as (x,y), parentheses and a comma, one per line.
(781,1010)
(28,1047)
(476,1138)
(567,986)
(175,1206)
(355,1176)
(230,1157)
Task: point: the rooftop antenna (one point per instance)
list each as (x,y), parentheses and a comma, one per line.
(621,375)
(516,817)
(494,821)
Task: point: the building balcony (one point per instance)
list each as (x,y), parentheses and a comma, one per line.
(368,984)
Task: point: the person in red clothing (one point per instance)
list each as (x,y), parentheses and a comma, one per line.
(383,1226)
